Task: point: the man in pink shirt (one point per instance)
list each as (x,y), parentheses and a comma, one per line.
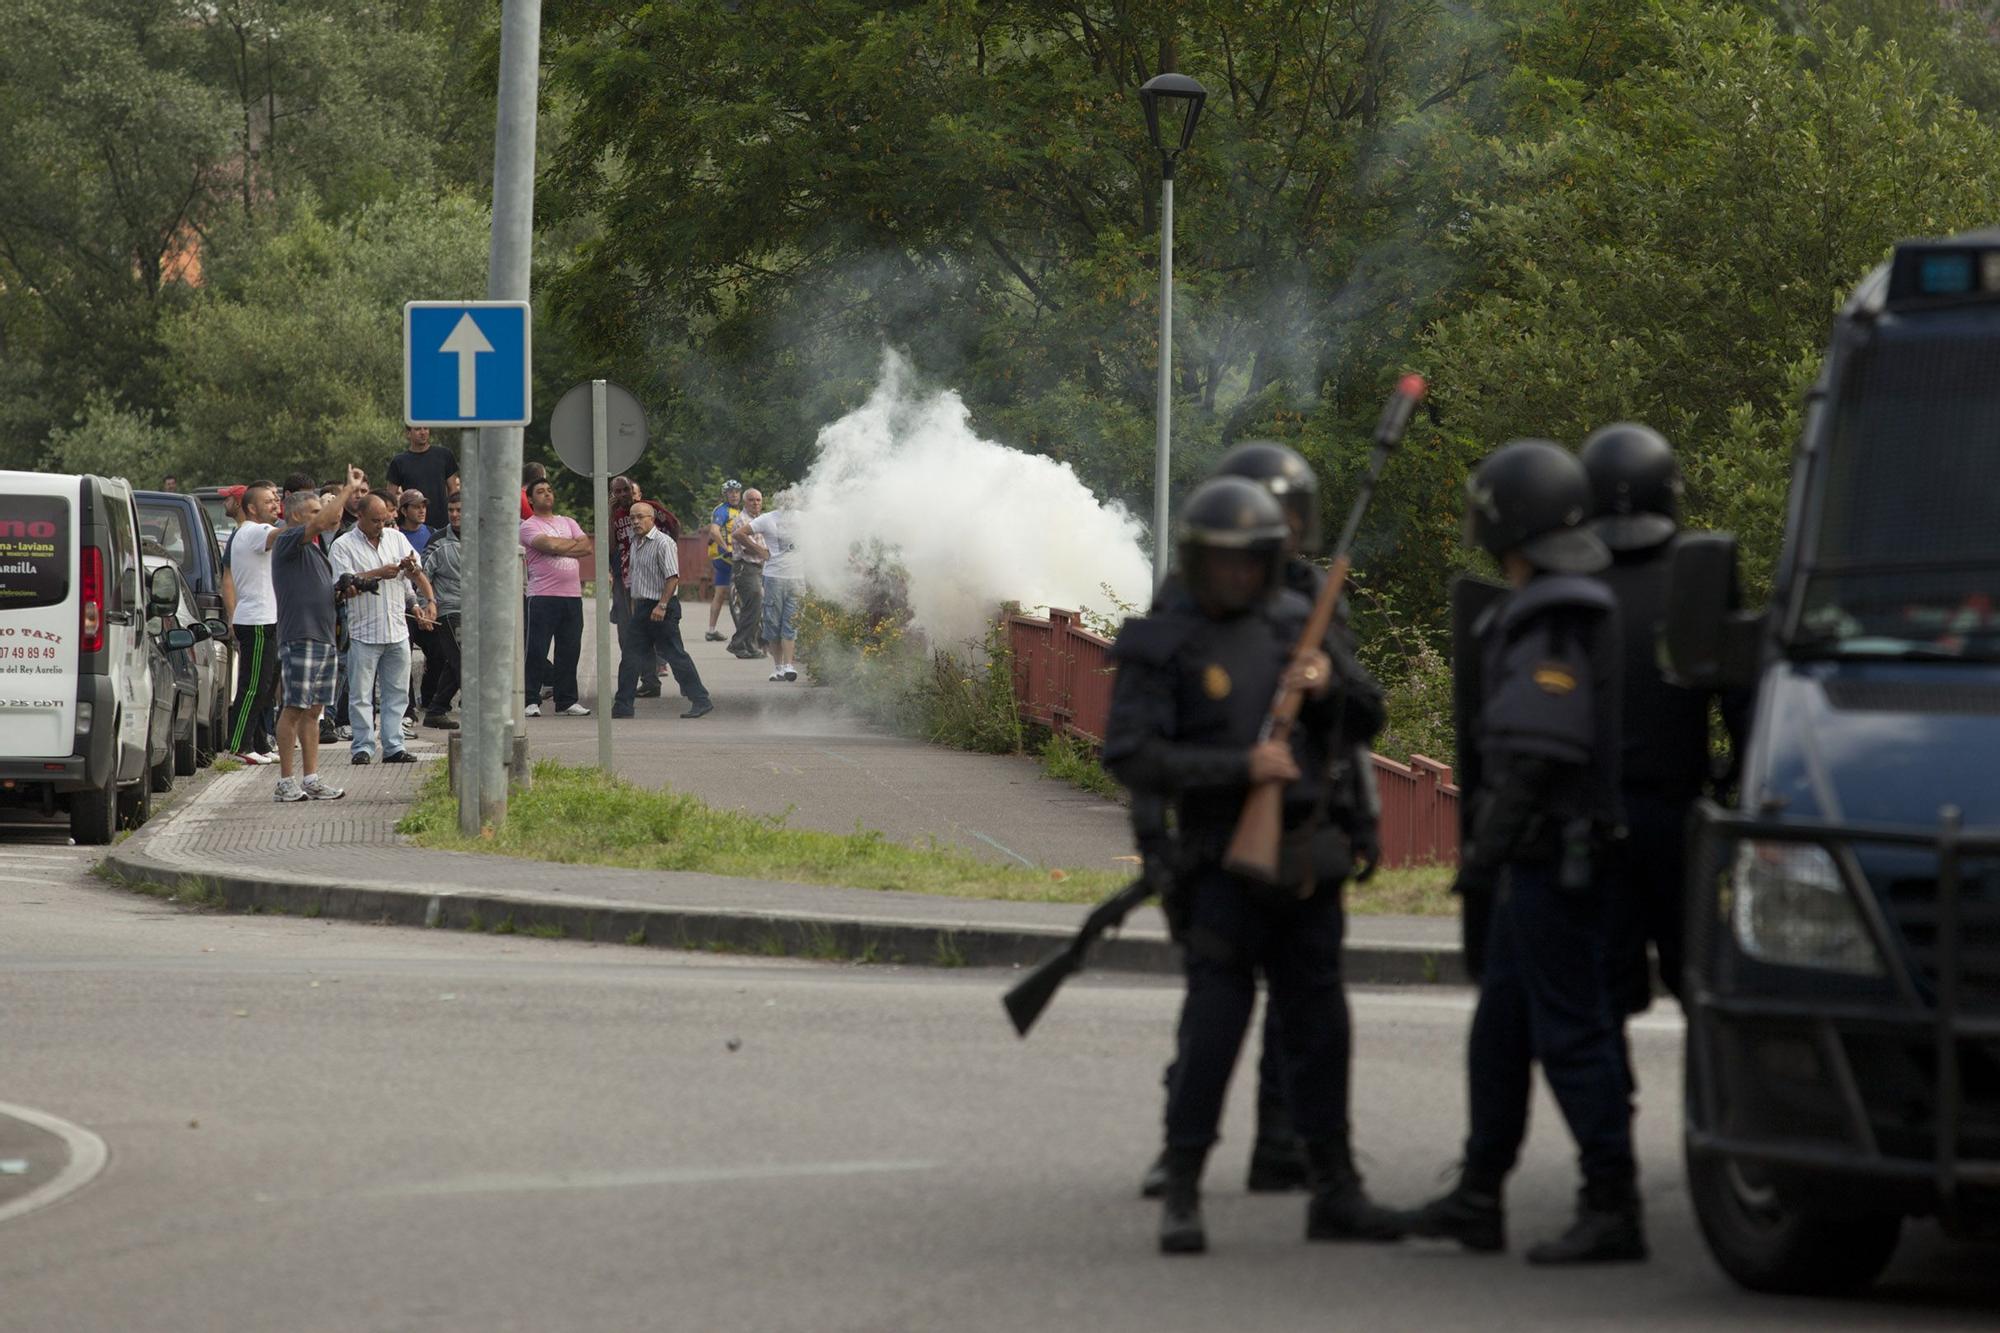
(556,548)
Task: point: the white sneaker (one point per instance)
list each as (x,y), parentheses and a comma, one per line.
(252,757)
(267,757)
(345,733)
(534,710)
(319,791)
(778,674)
(409,726)
(288,790)
(574,710)
(791,673)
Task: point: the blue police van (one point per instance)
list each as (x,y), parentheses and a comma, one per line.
(1843,988)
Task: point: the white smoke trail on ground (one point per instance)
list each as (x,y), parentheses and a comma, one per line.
(972,522)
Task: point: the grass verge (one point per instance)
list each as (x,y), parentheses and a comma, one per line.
(580,816)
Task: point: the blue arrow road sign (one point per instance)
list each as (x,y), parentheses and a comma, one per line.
(465,363)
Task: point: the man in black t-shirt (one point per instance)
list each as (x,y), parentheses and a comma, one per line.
(423,466)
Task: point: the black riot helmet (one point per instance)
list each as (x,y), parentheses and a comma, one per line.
(1533,496)
(1636,485)
(1231,537)
(1284,472)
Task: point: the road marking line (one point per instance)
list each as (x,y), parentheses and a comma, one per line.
(593,1180)
(1001,847)
(87,1156)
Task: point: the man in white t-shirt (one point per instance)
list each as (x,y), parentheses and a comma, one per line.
(252,608)
(378,631)
(771,534)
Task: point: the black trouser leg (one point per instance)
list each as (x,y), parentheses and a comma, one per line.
(1645,901)
(256,684)
(637,639)
(568,648)
(541,632)
(439,692)
(1546,1001)
(675,654)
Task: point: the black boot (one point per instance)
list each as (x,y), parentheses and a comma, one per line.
(1180,1215)
(1471,1215)
(1278,1166)
(1340,1207)
(1154,1184)
(1609,1228)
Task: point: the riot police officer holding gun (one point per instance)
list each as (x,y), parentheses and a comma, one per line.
(1539,756)
(1234,699)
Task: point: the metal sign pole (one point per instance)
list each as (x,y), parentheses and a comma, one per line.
(600,487)
(498,557)
(471,480)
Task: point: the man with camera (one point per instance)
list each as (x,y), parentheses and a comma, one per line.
(375,560)
(302,579)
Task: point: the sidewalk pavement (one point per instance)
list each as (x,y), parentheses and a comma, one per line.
(767,747)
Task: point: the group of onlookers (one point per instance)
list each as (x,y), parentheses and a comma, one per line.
(329,587)
(325,588)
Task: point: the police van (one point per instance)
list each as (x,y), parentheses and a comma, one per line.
(80,729)
(1843,988)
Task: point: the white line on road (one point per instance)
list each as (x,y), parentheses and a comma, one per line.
(87,1155)
(611,1180)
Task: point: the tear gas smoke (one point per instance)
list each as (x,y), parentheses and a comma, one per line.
(972,523)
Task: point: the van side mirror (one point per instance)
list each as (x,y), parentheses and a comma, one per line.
(177,640)
(165,588)
(1709,643)
(217,629)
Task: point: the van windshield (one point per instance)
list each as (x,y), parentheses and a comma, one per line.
(34,551)
(1907,557)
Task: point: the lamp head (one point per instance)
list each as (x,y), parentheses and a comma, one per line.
(1181,99)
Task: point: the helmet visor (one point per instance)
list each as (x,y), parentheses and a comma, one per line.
(1567,551)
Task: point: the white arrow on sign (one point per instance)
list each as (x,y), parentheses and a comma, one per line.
(466,343)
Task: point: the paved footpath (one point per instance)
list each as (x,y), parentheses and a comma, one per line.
(768,747)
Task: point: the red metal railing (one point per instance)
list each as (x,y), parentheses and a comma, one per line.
(1062,680)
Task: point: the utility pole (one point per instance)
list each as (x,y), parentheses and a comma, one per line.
(496,563)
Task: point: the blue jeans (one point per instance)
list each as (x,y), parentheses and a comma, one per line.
(781,609)
(366,663)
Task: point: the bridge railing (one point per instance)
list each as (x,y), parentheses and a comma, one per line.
(1062,680)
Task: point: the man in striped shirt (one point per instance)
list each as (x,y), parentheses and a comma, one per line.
(378,634)
(653,631)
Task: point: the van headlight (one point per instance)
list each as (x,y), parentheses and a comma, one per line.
(83,718)
(1790,906)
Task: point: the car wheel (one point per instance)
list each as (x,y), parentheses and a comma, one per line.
(204,744)
(187,751)
(1768,1244)
(161,778)
(135,802)
(93,814)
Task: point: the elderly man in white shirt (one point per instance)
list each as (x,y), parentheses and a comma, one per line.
(378,634)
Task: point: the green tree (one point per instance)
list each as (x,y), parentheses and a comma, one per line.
(291,356)
(1678,257)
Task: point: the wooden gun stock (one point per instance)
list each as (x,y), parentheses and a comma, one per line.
(1254,847)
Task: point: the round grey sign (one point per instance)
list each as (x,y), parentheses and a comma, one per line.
(624,429)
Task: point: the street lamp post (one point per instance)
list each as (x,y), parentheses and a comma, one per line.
(1176,95)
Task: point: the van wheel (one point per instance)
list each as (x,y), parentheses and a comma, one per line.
(135,802)
(1767,1244)
(93,814)
(187,753)
(204,745)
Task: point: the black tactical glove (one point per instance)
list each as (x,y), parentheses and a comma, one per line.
(1158,871)
(1476,888)
(1366,846)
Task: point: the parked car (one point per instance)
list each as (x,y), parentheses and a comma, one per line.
(198,721)
(180,526)
(217,508)
(82,725)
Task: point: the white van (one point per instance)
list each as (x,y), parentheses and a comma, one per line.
(78,730)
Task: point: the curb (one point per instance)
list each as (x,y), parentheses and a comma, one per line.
(773,933)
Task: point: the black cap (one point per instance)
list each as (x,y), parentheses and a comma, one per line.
(1284,472)
(1635,486)
(1533,496)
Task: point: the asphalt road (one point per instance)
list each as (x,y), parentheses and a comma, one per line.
(326,1126)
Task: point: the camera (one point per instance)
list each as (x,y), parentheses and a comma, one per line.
(348,585)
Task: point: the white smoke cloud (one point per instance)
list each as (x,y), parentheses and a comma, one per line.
(973,522)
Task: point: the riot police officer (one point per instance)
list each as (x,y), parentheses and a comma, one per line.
(1195,678)
(1636,492)
(1277,1156)
(1543,779)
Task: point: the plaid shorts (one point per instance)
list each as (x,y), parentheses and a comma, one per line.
(312,673)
